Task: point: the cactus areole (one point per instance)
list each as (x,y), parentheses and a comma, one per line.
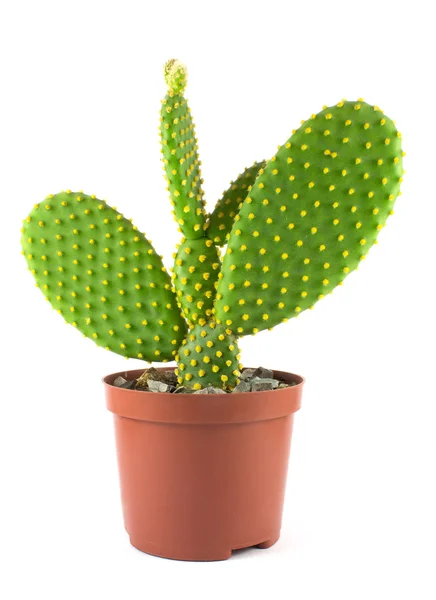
(295,226)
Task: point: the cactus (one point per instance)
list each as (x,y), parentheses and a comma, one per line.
(196,269)
(103,276)
(312,215)
(180,154)
(222,219)
(295,226)
(210,354)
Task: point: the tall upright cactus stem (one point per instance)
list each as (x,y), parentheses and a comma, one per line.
(180,154)
(197,264)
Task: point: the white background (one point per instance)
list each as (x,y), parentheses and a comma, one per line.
(80,89)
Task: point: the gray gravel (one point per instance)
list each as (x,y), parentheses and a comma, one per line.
(210,390)
(244,386)
(263,373)
(160,386)
(262,385)
(247,374)
(124,383)
(152,380)
(157,381)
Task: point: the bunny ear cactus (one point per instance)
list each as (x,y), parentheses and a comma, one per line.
(222,219)
(295,226)
(180,154)
(311,216)
(103,276)
(197,263)
(196,270)
(209,356)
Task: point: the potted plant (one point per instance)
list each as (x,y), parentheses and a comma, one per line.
(203,449)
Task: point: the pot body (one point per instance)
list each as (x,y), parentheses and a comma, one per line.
(202,475)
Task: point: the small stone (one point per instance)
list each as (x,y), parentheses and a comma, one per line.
(152,374)
(130,384)
(159,386)
(124,383)
(210,390)
(263,373)
(168,377)
(262,385)
(141,382)
(243,386)
(283,385)
(119,381)
(247,374)
(182,390)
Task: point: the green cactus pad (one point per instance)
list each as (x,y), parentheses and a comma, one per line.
(226,209)
(103,276)
(196,269)
(209,356)
(182,164)
(311,216)
(176,75)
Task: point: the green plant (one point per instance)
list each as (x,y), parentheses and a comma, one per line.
(295,227)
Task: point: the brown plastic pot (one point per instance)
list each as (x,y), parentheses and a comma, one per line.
(202,475)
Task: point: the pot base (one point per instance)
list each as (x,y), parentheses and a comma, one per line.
(208,555)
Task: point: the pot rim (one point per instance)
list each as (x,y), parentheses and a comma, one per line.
(240,407)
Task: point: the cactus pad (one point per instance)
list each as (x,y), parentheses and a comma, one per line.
(209,356)
(176,75)
(103,276)
(181,161)
(311,216)
(196,269)
(226,209)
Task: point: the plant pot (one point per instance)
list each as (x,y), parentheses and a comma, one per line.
(202,475)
